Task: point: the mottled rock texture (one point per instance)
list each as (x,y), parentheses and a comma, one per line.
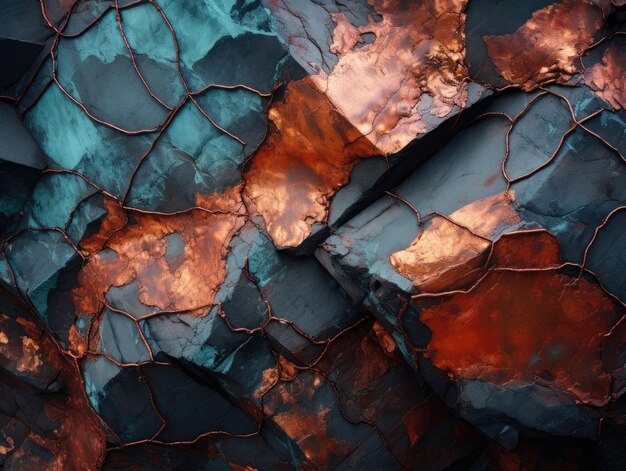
(285,234)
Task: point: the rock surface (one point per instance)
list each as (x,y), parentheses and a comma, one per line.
(274,234)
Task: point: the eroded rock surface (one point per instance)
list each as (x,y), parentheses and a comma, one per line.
(361,234)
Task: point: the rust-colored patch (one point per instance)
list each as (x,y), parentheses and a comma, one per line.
(80,442)
(25,349)
(373,91)
(373,361)
(608,78)
(137,253)
(269,379)
(488,217)
(526,250)
(30,360)
(66,426)
(78,343)
(114,220)
(353,368)
(288,370)
(444,255)
(374,386)
(524,325)
(386,341)
(419,49)
(284,370)
(305,427)
(7,449)
(419,420)
(364,357)
(548,46)
(452,251)
(301,165)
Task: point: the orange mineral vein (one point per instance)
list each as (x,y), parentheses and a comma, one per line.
(135,251)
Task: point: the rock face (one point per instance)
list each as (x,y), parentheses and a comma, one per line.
(278,234)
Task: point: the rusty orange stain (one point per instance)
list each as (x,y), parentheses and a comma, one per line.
(30,360)
(79,442)
(451,251)
(11,445)
(236,467)
(284,370)
(78,343)
(526,250)
(288,370)
(364,356)
(548,46)
(386,341)
(26,347)
(113,221)
(269,378)
(308,429)
(419,48)
(608,78)
(419,420)
(136,253)
(442,256)
(525,325)
(302,164)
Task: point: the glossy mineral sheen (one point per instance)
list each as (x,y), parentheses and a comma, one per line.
(312,235)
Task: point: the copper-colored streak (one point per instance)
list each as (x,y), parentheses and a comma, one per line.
(113,222)
(30,359)
(608,79)
(22,352)
(287,402)
(419,49)
(548,46)
(81,442)
(525,324)
(308,429)
(418,420)
(237,467)
(24,348)
(301,165)
(452,251)
(284,370)
(78,343)
(441,256)
(78,442)
(136,253)
(370,359)
(6,449)
(526,250)
(386,341)
(355,368)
